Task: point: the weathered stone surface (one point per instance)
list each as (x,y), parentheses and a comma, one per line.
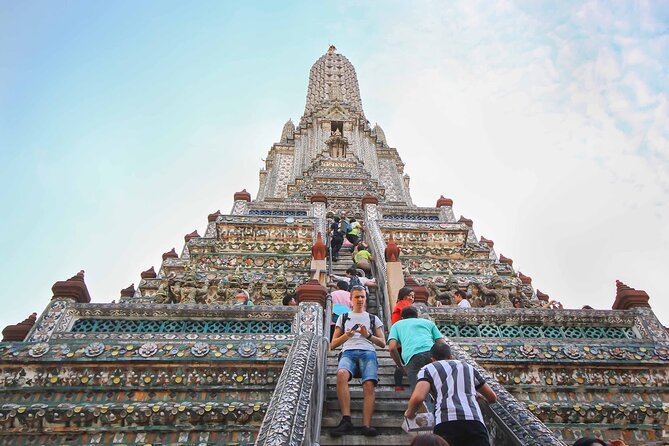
(72,288)
(627,297)
(19,331)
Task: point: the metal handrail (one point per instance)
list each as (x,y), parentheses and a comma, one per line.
(328,243)
(321,372)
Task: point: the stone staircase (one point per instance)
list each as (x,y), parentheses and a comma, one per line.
(390,405)
(339,268)
(389,408)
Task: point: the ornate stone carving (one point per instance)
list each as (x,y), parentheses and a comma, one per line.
(289,411)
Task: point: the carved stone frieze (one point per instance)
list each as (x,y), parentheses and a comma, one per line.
(536,316)
(39,418)
(540,351)
(54,318)
(599,377)
(174,350)
(177,378)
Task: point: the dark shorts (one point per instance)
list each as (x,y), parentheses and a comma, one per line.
(471,433)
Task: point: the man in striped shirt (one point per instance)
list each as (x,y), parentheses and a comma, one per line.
(454,385)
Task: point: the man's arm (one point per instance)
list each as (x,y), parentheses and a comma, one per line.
(487,393)
(339,337)
(417,398)
(377,337)
(394,353)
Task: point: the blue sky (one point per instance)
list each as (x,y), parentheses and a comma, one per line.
(123,124)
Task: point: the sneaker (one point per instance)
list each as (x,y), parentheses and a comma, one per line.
(369,431)
(344,427)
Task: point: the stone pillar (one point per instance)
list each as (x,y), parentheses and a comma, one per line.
(627,297)
(73,288)
(211,224)
(312,291)
(241,205)
(185,253)
(445,206)
(318,262)
(18,332)
(318,205)
(491,245)
(471,235)
(394,275)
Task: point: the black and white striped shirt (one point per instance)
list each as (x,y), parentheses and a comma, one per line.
(454,385)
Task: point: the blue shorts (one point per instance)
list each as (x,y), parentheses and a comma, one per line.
(360,364)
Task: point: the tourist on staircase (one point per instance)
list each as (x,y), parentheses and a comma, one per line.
(455,384)
(337,234)
(341,303)
(405,298)
(357,332)
(354,232)
(359,276)
(416,336)
(363,258)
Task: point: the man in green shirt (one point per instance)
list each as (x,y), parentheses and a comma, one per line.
(416,336)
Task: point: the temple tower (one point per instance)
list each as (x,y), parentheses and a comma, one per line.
(181,359)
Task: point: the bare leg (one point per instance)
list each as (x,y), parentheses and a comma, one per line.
(343,392)
(367,402)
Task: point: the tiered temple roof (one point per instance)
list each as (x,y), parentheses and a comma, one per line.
(176,362)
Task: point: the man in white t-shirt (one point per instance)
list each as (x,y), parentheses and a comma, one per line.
(358,332)
(460,298)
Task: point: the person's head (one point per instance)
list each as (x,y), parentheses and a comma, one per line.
(242,297)
(289,300)
(405,293)
(429,440)
(351,271)
(459,296)
(587,441)
(337,219)
(358,298)
(342,285)
(441,351)
(409,312)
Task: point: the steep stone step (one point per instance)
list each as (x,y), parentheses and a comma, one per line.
(399,439)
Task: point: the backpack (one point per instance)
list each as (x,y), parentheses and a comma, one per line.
(372,320)
(344,226)
(355,281)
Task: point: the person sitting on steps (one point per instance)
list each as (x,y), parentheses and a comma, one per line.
(358,332)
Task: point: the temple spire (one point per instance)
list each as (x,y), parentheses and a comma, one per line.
(333,81)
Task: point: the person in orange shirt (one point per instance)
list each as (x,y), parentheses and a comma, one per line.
(405,298)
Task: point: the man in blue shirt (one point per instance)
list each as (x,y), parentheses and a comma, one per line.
(416,336)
